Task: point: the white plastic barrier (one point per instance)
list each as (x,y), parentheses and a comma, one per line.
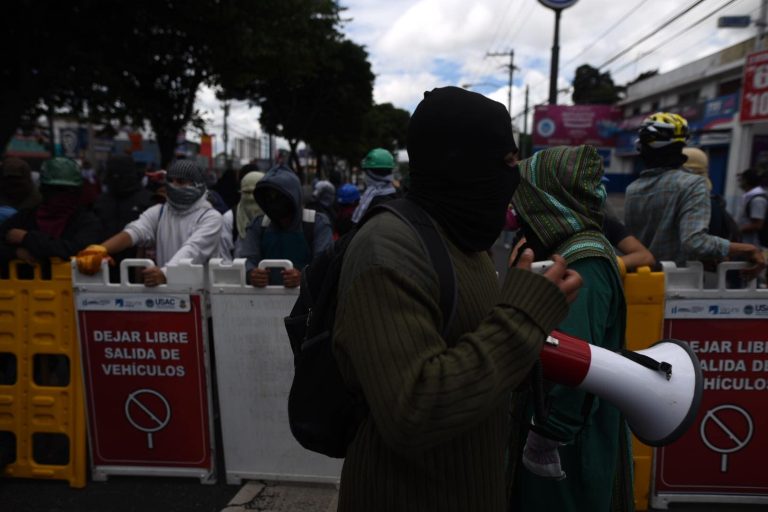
(146,372)
(254,366)
(719,459)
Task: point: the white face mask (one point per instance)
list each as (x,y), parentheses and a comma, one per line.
(182,197)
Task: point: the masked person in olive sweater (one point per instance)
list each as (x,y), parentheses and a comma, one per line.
(186,226)
(435,435)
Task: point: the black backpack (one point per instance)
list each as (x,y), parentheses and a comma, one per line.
(762,235)
(323,413)
(721,223)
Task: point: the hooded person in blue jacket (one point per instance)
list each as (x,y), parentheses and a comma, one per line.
(285,231)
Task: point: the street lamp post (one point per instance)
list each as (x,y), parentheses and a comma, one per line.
(557,6)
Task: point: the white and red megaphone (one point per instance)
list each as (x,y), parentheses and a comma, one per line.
(658,389)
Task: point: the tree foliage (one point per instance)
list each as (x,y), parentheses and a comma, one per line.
(328,110)
(643,76)
(385,126)
(590,87)
(144,61)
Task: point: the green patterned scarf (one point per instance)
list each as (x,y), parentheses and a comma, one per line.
(561,197)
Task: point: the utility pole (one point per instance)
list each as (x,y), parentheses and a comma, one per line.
(525,124)
(226,135)
(761,23)
(511,72)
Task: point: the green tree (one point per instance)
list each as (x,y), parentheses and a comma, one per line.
(326,111)
(385,126)
(144,61)
(643,76)
(590,87)
(53,56)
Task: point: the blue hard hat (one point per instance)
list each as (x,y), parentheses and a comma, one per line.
(347,194)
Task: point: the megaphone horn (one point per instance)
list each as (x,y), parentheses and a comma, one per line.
(658,389)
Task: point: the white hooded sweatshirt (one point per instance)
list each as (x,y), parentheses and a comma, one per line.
(193,233)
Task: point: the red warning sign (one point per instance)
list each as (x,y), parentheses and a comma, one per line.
(728,441)
(146,387)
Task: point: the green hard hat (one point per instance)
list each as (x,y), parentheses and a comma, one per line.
(61,171)
(378,158)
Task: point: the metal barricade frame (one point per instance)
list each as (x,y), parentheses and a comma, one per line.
(254,366)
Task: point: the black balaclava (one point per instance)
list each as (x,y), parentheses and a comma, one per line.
(457,141)
(670,155)
(121,177)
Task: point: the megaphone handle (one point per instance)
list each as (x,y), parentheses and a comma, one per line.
(648,362)
(540,409)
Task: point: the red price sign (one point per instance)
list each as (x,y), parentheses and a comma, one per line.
(754,99)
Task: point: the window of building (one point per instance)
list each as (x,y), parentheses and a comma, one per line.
(688,98)
(729,87)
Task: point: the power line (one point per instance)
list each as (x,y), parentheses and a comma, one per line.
(623,18)
(485,70)
(629,48)
(653,33)
(695,24)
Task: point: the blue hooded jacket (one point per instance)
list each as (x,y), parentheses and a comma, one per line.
(267,239)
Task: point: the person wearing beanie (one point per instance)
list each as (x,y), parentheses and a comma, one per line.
(668,209)
(57,227)
(378,167)
(236,220)
(284,231)
(572,459)
(186,226)
(439,405)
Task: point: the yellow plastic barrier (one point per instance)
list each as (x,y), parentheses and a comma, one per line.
(42,416)
(644,293)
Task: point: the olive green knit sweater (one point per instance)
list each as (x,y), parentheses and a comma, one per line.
(435,437)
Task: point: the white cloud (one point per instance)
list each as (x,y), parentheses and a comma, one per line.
(405,90)
(416,45)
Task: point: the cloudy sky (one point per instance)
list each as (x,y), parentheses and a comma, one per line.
(416,45)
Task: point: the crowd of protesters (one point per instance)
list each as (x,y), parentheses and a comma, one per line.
(70,209)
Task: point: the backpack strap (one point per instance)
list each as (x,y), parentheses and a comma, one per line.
(308,225)
(434,244)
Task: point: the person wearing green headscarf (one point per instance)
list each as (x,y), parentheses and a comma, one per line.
(579,458)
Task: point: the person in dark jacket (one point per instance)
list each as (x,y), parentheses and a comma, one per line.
(59,226)
(125,198)
(123,202)
(347,199)
(17,190)
(324,199)
(285,231)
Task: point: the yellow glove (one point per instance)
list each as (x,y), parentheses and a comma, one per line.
(89,259)
(622,267)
